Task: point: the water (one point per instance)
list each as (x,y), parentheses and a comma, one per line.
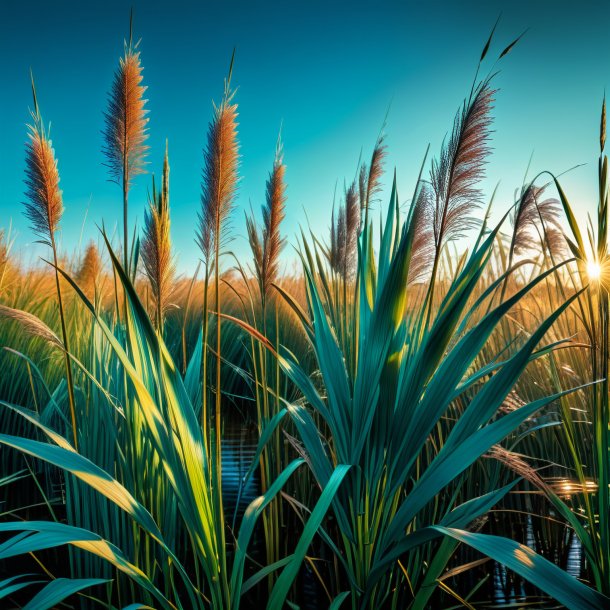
(507,591)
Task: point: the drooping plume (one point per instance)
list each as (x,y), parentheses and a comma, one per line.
(536,220)
(44,205)
(456,174)
(31,325)
(156,246)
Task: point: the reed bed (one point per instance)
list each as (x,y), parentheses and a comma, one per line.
(429,423)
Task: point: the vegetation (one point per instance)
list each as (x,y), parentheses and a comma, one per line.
(423,419)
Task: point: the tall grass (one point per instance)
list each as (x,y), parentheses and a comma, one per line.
(403,395)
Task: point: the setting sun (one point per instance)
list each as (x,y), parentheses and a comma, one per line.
(594,270)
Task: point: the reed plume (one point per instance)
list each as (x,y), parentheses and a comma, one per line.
(267,247)
(220,177)
(90,270)
(455,175)
(369,181)
(344,235)
(125,130)
(535,223)
(44,207)
(535,216)
(44,202)
(273,215)
(156,246)
(422,254)
(31,325)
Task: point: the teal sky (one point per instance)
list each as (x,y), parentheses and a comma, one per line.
(327,70)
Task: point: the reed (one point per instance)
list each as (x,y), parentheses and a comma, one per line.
(218,190)
(266,245)
(43,208)
(419,410)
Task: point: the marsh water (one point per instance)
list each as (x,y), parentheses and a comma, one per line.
(503,589)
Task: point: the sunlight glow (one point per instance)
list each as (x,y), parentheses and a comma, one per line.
(594,270)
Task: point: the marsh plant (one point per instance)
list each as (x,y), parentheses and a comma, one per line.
(403,395)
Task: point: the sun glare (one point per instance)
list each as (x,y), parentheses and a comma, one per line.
(594,270)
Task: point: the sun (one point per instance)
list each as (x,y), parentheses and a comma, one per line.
(594,270)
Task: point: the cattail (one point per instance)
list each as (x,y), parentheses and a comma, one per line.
(44,208)
(455,175)
(90,270)
(156,246)
(125,131)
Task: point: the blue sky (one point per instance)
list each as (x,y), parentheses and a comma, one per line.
(328,71)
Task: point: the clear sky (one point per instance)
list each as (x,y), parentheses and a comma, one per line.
(327,70)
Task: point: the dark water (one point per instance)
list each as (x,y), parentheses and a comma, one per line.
(238,450)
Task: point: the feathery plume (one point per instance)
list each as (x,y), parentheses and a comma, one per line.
(267,246)
(125,130)
(156,246)
(461,166)
(352,225)
(90,269)
(256,246)
(422,253)
(369,180)
(219,183)
(44,205)
(273,214)
(344,234)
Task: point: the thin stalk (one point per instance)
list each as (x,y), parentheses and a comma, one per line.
(66,345)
